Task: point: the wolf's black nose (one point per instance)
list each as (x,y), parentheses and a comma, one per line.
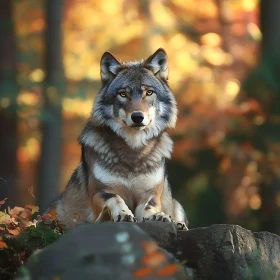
(137,117)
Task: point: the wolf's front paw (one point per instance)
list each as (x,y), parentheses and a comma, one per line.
(180,225)
(125,216)
(160,216)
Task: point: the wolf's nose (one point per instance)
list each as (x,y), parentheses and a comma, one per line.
(137,117)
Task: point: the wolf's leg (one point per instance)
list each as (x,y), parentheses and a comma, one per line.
(150,210)
(112,205)
(179,216)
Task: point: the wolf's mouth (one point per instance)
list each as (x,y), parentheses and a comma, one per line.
(137,126)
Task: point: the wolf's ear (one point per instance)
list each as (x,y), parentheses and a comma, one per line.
(158,64)
(109,67)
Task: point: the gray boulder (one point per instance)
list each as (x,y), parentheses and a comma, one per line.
(103,251)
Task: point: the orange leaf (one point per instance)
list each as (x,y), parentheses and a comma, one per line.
(14,231)
(15,211)
(3,245)
(143,272)
(25,214)
(3,201)
(154,259)
(32,208)
(149,247)
(53,214)
(168,270)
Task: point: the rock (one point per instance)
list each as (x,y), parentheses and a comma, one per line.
(124,251)
(222,251)
(103,251)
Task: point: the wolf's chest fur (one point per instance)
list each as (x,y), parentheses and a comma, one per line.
(116,165)
(135,182)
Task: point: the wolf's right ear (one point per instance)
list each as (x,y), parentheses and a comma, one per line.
(158,64)
(109,67)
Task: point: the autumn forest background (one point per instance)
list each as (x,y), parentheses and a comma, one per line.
(224,59)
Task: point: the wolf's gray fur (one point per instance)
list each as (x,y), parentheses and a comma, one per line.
(124,148)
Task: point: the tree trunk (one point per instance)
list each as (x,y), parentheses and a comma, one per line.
(270,21)
(263,84)
(8,115)
(49,168)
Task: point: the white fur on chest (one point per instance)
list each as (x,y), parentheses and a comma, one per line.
(140,181)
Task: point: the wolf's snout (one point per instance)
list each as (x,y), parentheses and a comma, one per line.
(137,117)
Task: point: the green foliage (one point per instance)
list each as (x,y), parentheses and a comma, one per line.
(21,247)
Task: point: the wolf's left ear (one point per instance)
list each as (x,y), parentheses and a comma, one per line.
(109,67)
(158,64)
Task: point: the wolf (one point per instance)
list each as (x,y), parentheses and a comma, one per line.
(122,174)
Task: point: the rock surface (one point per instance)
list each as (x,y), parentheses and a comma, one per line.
(103,251)
(124,251)
(222,251)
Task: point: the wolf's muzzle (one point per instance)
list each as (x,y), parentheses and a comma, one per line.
(137,117)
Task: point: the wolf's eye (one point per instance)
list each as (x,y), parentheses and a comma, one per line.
(149,92)
(122,94)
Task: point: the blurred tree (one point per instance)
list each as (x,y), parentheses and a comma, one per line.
(49,168)
(8,114)
(264,85)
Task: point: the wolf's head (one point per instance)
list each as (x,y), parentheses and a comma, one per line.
(135,100)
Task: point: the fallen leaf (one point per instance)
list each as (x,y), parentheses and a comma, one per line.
(14,212)
(32,208)
(53,214)
(3,245)
(149,247)
(154,260)
(14,231)
(4,218)
(143,272)
(168,270)
(25,214)
(3,201)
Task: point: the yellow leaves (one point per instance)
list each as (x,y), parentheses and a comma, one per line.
(21,215)
(232,88)
(32,208)
(33,148)
(76,106)
(28,98)
(211,39)
(206,9)
(216,56)
(162,15)
(185,61)
(255,201)
(249,5)
(37,75)
(4,218)
(178,41)
(18,218)
(254,31)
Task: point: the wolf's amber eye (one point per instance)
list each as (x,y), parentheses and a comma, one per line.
(122,94)
(149,92)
